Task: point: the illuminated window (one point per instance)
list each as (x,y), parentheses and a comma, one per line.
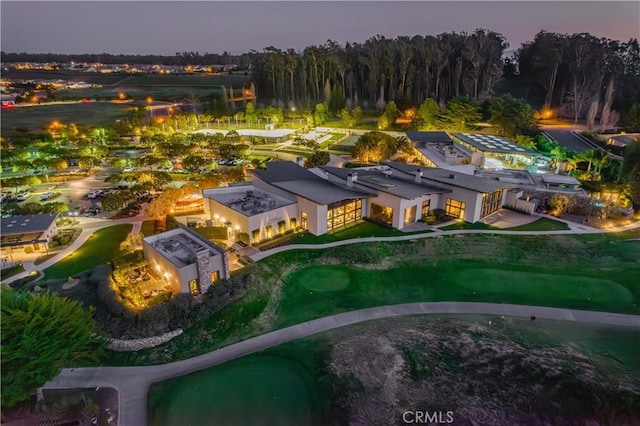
(303,220)
(455,208)
(193,287)
(269,231)
(215,276)
(255,235)
(491,203)
(426,205)
(410,215)
(381,214)
(343,213)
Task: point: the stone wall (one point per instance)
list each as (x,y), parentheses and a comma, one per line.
(132,345)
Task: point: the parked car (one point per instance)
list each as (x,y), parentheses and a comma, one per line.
(45,196)
(128,169)
(23,196)
(92,211)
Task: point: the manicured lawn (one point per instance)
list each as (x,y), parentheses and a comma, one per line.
(542,224)
(467,225)
(254,390)
(356,230)
(597,272)
(459,281)
(212,232)
(36,118)
(102,247)
(6,273)
(147,228)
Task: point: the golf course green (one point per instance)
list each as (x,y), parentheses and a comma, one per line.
(321,290)
(254,390)
(316,278)
(559,287)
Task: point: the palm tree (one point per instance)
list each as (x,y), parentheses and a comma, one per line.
(559,154)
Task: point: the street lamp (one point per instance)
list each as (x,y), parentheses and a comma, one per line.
(149,101)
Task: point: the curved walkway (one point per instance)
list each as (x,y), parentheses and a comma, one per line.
(435,232)
(133,383)
(87,230)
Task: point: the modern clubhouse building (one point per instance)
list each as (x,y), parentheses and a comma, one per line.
(287,196)
(440,149)
(189,262)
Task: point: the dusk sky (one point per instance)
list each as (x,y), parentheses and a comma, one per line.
(168,27)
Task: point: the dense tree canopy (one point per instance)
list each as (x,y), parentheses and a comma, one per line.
(377,146)
(461,114)
(41,334)
(512,117)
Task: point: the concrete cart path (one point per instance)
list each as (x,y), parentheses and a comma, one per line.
(133,383)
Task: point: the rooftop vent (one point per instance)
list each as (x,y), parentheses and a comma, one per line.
(23,224)
(9,225)
(452,176)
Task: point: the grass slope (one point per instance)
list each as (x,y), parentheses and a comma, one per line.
(102,247)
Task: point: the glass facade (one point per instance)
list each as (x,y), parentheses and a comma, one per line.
(491,203)
(343,212)
(381,214)
(455,208)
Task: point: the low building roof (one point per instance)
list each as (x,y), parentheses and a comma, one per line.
(448,177)
(27,223)
(181,245)
(383,182)
(559,179)
(426,137)
(492,143)
(246,199)
(297,180)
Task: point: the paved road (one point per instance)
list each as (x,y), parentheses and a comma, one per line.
(133,383)
(569,140)
(574,228)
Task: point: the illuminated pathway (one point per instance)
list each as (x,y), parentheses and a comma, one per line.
(133,383)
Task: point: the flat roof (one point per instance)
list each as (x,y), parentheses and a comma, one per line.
(247,200)
(567,139)
(27,223)
(449,177)
(491,143)
(427,137)
(559,179)
(386,182)
(181,245)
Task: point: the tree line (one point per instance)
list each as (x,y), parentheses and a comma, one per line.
(591,77)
